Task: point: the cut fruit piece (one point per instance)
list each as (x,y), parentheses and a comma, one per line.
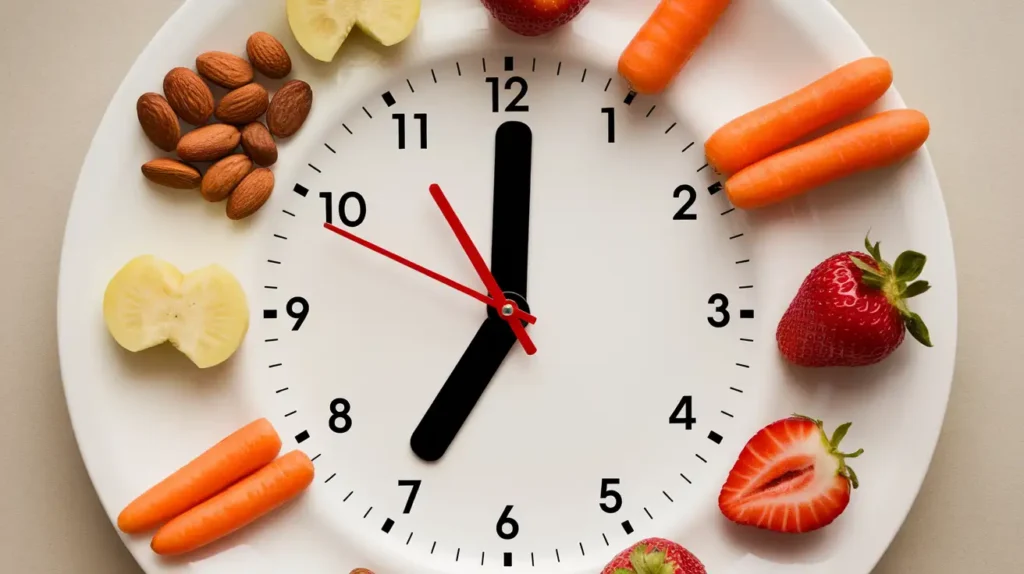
(388,21)
(203,314)
(320,26)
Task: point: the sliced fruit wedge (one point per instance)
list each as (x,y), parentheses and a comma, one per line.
(203,314)
(388,21)
(321,26)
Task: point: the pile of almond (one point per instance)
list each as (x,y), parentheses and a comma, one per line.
(232,174)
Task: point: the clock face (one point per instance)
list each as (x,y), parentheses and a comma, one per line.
(435,435)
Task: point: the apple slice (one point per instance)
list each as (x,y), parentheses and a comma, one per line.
(321,26)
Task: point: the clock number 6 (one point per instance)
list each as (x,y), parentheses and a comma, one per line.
(681,215)
(514,105)
(722,308)
(415,484)
(607,492)
(300,314)
(339,412)
(506,520)
(328,198)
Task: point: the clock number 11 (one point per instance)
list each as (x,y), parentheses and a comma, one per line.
(422,118)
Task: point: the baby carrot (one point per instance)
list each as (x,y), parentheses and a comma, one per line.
(880,140)
(238,455)
(666,41)
(236,507)
(770,128)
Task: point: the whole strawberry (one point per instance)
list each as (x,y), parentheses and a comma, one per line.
(655,556)
(534,17)
(851,310)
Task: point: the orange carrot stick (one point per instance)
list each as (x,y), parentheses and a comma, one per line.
(666,41)
(238,455)
(236,507)
(880,140)
(770,128)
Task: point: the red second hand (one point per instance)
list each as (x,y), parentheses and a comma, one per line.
(516,312)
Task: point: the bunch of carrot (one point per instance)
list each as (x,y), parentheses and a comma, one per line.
(229,486)
(753,148)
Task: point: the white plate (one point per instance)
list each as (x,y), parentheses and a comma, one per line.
(137,417)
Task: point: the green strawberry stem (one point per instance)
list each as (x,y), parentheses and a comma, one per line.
(898,283)
(832,446)
(644,562)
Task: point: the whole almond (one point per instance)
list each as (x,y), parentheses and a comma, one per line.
(224,69)
(268,55)
(171,173)
(223,176)
(158,121)
(188,95)
(289,108)
(243,105)
(259,144)
(209,143)
(251,194)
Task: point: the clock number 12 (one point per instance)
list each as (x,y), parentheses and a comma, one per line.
(514,105)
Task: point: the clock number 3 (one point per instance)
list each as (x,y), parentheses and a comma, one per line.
(514,105)
(340,422)
(721,303)
(507,526)
(606,492)
(343,211)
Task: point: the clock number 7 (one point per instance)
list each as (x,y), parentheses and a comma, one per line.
(415,484)
(400,118)
(514,105)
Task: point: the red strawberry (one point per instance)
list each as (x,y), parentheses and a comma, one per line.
(790,477)
(534,17)
(851,310)
(655,556)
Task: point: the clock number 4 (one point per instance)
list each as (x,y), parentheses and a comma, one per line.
(721,303)
(507,526)
(685,407)
(340,422)
(422,118)
(415,484)
(343,211)
(514,105)
(606,492)
(691,196)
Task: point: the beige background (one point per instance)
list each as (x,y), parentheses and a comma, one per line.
(961,62)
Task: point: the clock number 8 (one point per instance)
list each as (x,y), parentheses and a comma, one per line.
(328,198)
(514,105)
(721,303)
(507,521)
(339,412)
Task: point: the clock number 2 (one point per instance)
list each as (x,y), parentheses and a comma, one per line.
(508,523)
(681,215)
(721,303)
(343,212)
(609,493)
(685,407)
(514,105)
(415,484)
(422,118)
(339,412)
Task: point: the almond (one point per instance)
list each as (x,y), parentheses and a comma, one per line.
(208,143)
(259,144)
(223,176)
(268,55)
(158,121)
(243,105)
(171,173)
(289,108)
(251,194)
(188,95)
(224,69)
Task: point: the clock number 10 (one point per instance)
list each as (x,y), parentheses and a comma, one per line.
(514,105)
(343,210)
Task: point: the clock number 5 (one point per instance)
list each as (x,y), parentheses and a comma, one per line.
(340,422)
(691,196)
(514,105)
(508,523)
(609,493)
(343,211)
(721,303)
(422,118)
(415,484)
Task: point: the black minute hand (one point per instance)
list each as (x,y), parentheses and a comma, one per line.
(492,342)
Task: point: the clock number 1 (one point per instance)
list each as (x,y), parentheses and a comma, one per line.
(611,123)
(509,522)
(609,493)
(415,484)
(514,105)
(681,215)
(400,118)
(328,198)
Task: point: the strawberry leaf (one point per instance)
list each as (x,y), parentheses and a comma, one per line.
(909,265)
(867,268)
(839,433)
(875,250)
(853,477)
(917,329)
(623,571)
(915,289)
(873,281)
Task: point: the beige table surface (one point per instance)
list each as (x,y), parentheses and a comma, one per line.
(961,62)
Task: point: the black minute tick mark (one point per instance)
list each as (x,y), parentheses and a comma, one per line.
(367,512)
(509,63)
(315,168)
(627,527)
(629,98)
(670,127)
(746,286)
(715,188)
(584,78)
(557,557)
(533,67)
(582,551)
(746,340)
(702,459)
(274,262)
(458,68)
(507,559)
(702,168)
(330,148)
(741,261)
(269,340)
(742,365)
(715,437)
(301,189)
(433,75)
(275,365)
(408,83)
(330,477)
(688,146)
(737,236)
(667,496)
(346,129)
(280,236)
(388,99)
(367,112)
(684,478)
(650,111)
(531,559)
(728,211)
(347,496)
(314,458)
(735,389)
(270,313)
(727,414)
(388,523)
(433,546)
(558,71)
(481,558)
(279,391)
(269,287)
(291,413)
(746,313)
(288,212)
(301,437)
(484,62)
(608,83)
(648,513)
(605,539)
(409,539)
(457,551)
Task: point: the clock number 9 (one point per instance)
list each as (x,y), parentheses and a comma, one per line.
(722,308)
(328,198)
(607,492)
(509,522)
(300,314)
(339,412)
(681,215)
(514,105)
